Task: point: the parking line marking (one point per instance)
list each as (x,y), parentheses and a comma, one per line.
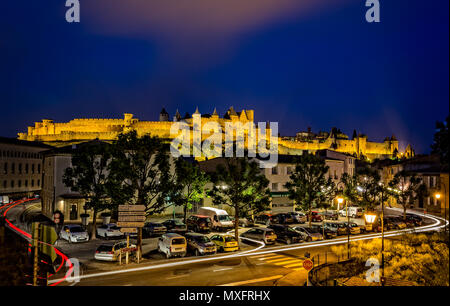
(279,259)
(271,257)
(298,269)
(223,269)
(286,262)
(294,265)
(256,280)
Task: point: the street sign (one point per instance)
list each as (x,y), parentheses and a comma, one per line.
(128,230)
(132,218)
(131,213)
(308,264)
(130,224)
(139,208)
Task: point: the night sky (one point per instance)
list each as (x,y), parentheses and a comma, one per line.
(302,63)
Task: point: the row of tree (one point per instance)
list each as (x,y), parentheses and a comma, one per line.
(137,170)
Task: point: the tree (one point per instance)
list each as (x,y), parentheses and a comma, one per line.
(441,142)
(370,190)
(308,183)
(140,173)
(406,187)
(89,176)
(189,185)
(240,184)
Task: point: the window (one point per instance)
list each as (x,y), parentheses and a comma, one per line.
(32,169)
(5,168)
(39,169)
(20,168)
(274,186)
(288,170)
(275,170)
(19,183)
(5,184)
(13,168)
(26,168)
(26,183)
(32,183)
(38,183)
(12,184)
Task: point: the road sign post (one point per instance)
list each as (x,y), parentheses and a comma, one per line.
(308,265)
(131,218)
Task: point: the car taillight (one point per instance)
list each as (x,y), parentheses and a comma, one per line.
(96,252)
(110,252)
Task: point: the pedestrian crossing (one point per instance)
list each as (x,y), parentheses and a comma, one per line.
(288,262)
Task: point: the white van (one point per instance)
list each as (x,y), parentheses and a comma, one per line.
(354,212)
(220,218)
(172,244)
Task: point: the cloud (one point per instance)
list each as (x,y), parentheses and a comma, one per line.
(192,27)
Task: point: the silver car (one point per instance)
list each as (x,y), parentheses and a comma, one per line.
(111,252)
(74,233)
(262,234)
(109,230)
(309,233)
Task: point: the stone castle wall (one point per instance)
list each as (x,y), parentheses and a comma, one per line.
(108,129)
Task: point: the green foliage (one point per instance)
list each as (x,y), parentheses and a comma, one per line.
(406,188)
(89,175)
(139,172)
(308,186)
(419,258)
(189,185)
(240,184)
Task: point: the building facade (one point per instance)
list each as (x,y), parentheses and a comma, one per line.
(20,167)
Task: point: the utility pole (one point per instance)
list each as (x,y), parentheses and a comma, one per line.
(36,252)
(382,239)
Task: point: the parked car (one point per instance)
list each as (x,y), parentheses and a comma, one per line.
(172,244)
(354,228)
(265,219)
(109,230)
(316,216)
(298,217)
(282,218)
(354,212)
(418,220)
(331,215)
(310,234)
(199,223)
(200,244)
(225,243)
(395,223)
(286,234)
(326,232)
(151,229)
(246,222)
(175,226)
(332,226)
(111,252)
(219,217)
(266,235)
(74,233)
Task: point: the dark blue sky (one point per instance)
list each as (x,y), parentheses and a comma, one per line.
(301,63)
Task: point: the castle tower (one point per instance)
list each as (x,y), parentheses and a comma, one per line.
(232,114)
(177,116)
(163,115)
(214,115)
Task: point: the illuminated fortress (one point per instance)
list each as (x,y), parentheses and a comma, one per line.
(79,130)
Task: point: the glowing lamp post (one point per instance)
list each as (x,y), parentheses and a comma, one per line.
(340,201)
(438,197)
(370,219)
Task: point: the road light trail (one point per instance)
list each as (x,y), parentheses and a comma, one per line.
(432,227)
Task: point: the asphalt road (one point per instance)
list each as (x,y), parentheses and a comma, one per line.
(262,266)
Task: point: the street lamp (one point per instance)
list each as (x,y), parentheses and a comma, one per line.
(438,196)
(370,219)
(340,201)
